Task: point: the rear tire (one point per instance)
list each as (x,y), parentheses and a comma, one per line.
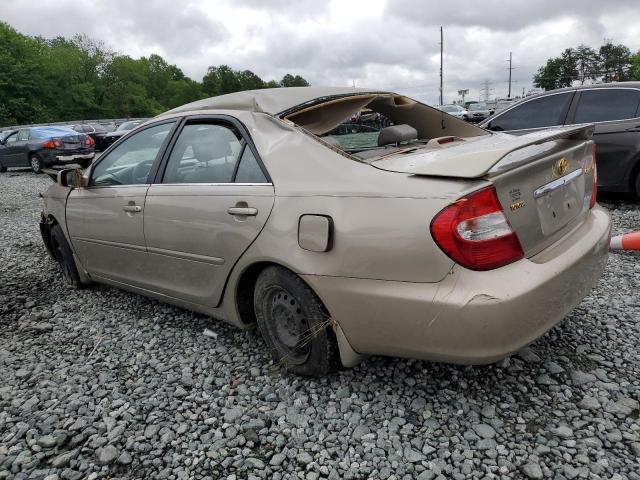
(3,169)
(294,324)
(36,163)
(64,256)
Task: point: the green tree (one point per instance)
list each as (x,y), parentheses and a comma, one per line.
(587,63)
(290,81)
(615,62)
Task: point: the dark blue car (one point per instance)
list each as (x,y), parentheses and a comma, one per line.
(39,147)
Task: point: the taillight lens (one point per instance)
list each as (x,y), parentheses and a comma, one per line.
(475,232)
(90,141)
(52,144)
(594,188)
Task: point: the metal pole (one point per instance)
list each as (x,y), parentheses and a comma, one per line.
(441,57)
(510,68)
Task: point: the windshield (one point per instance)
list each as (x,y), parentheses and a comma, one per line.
(477,106)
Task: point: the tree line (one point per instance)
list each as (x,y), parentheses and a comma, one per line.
(609,63)
(46,80)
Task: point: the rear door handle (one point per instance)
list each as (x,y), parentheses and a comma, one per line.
(132,208)
(243,211)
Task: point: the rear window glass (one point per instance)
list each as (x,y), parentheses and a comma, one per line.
(606,105)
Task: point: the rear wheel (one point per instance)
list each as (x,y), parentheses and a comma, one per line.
(36,163)
(64,256)
(294,324)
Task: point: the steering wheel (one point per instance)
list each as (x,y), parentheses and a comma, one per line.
(141,171)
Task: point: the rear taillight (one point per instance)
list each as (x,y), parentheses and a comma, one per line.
(89,141)
(475,233)
(594,188)
(51,144)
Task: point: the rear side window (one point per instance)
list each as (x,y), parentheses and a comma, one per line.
(204,153)
(249,170)
(606,105)
(546,111)
(23,135)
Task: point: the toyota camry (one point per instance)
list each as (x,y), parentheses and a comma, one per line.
(427,237)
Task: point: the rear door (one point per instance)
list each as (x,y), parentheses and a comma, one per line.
(617,132)
(535,114)
(20,155)
(209,203)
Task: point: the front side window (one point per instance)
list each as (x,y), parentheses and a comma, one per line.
(204,153)
(130,162)
(546,111)
(11,139)
(606,105)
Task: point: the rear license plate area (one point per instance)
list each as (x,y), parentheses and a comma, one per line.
(560,201)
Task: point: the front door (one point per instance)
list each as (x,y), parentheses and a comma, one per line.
(105,219)
(208,206)
(11,151)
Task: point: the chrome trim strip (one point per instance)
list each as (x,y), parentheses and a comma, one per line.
(555,184)
(186,256)
(213,184)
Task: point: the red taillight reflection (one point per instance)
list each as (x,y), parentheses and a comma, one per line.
(51,144)
(594,188)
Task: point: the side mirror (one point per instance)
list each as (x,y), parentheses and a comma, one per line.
(72,178)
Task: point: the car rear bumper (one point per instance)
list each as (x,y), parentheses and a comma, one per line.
(470,317)
(58,157)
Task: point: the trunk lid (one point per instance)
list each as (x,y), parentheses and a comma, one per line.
(71,142)
(544,180)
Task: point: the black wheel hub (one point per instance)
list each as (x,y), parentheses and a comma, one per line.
(289,328)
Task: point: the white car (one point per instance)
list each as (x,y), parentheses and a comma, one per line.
(454,110)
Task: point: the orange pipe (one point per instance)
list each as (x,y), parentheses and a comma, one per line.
(628,241)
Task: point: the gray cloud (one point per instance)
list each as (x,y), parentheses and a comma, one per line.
(392,44)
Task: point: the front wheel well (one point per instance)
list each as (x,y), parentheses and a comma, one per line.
(46,224)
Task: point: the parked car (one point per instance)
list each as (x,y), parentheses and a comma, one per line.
(477,112)
(95,131)
(454,110)
(435,239)
(39,147)
(612,107)
(124,128)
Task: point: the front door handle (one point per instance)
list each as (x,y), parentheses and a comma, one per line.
(132,208)
(243,211)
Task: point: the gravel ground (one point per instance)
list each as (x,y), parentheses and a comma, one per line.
(101,383)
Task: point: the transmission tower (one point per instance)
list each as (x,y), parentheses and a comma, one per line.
(486,90)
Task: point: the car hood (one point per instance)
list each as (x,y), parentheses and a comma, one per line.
(474,157)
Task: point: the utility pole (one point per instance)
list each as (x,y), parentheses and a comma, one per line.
(510,69)
(441,58)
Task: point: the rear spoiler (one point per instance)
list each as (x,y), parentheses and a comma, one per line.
(482,156)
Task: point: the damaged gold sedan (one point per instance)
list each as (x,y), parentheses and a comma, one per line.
(343,222)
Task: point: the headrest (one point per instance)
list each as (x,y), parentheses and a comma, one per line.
(396,134)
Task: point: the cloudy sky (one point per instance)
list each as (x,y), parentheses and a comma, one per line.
(390,44)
